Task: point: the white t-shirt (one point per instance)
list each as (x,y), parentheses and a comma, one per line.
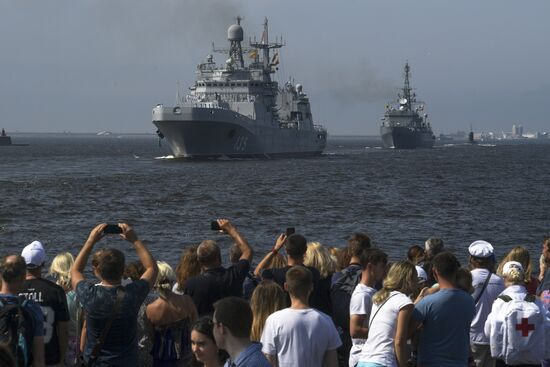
(379,347)
(360,304)
(485,303)
(299,337)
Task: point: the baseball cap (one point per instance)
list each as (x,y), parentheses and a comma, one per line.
(481,248)
(34,254)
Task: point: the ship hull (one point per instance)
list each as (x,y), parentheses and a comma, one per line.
(401,137)
(213,133)
(5,140)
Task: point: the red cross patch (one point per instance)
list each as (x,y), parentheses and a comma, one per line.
(525,327)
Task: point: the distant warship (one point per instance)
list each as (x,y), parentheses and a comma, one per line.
(237,110)
(403,127)
(4,139)
(471,139)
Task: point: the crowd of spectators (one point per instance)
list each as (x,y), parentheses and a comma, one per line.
(303,304)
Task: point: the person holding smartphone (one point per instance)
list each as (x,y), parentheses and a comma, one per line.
(111,308)
(217,282)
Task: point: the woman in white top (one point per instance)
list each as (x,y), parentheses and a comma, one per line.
(386,345)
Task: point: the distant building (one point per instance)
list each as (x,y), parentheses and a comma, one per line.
(517,131)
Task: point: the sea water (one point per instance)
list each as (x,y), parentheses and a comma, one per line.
(59,187)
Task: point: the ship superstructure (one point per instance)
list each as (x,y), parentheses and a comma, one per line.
(237,110)
(405,125)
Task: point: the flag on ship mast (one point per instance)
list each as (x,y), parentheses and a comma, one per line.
(253,54)
(275,59)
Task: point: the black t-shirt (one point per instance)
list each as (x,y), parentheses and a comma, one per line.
(52,300)
(214,284)
(278,275)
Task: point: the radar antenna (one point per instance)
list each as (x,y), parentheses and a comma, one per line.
(234,36)
(407,97)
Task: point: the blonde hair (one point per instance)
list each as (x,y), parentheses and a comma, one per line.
(514,276)
(166,277)
(61,269)
(267,298)
(401,277)
(276,261)
(522,256)
(319,257)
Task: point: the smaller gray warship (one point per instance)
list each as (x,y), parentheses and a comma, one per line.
(236,110)
(403,126)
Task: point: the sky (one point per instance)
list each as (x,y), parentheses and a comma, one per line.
(95,65)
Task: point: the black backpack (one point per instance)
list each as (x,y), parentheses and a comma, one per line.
(17,331)
(340,296)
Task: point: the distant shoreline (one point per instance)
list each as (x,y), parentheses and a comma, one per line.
(113,133)
(371,139)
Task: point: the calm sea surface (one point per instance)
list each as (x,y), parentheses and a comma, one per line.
(59,186)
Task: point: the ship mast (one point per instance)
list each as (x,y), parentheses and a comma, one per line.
(407,98)
(265,46)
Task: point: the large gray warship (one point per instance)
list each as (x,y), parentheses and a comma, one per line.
(237,110)
(403,127)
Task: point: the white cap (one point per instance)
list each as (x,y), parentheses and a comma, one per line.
(481,248)
(34,254)
(511,265)
(421,273)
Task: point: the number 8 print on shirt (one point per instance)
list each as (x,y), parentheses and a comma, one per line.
(52,300)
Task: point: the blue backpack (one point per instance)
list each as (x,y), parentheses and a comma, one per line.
(16,331)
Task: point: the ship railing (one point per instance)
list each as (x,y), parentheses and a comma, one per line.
(320,128)
(288,125)
(210,105)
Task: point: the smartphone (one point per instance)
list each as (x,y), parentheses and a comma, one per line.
(290,231)
(112,229)
(214,225)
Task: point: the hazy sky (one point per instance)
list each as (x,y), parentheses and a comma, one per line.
(88,66)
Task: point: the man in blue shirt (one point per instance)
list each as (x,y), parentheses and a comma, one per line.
(12,274)
(232,325)
(445,317)
(99,300)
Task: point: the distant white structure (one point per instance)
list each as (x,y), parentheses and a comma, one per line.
(517,131)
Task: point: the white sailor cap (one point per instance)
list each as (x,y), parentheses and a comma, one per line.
(481,248)
(511,265)
(421,273)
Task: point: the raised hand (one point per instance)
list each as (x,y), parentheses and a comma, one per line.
(128,233)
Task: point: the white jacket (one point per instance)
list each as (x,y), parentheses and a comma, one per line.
(512,348)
